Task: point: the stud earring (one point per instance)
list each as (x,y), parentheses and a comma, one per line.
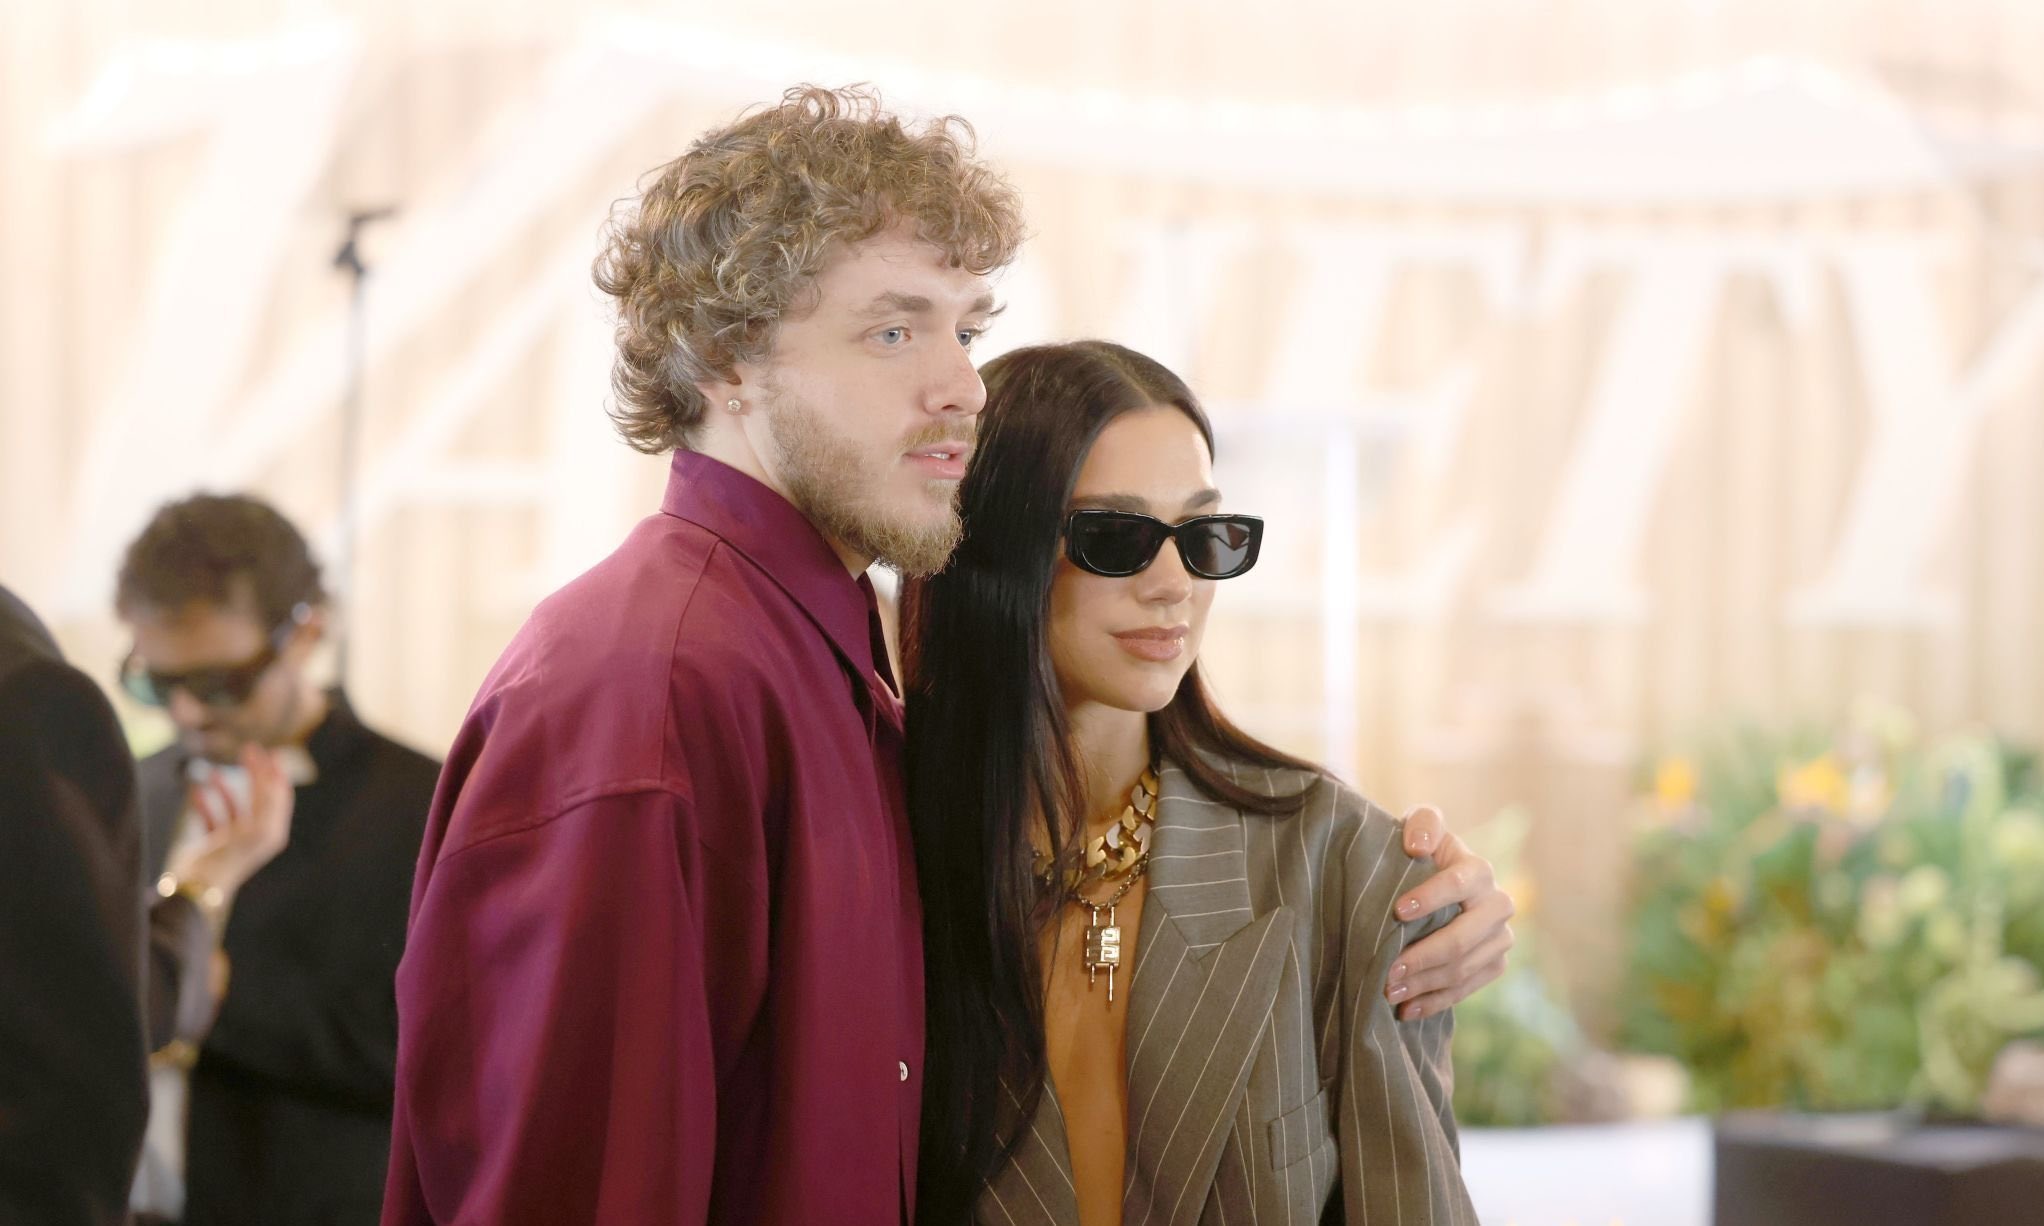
(735,406)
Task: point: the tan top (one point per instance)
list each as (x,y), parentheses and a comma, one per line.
(1086,1043)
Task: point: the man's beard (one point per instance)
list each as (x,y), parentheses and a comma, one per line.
(830,480)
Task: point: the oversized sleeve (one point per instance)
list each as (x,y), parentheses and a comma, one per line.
(556,1056)
(1394,1115)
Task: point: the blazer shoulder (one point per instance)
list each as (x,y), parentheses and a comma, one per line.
(1350,854)
(1330,813)
(1352,814)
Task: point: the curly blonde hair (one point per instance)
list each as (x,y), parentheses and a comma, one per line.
(727,239)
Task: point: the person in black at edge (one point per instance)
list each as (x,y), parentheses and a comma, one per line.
(72,1093)
(290,1091)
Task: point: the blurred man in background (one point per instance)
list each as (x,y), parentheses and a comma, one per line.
(72,1094)
(280,835)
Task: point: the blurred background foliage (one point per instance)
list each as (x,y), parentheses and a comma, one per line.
(1824,920)
(1840,921)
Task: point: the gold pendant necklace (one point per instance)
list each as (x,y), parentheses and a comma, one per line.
(1121,852)
(1102,949)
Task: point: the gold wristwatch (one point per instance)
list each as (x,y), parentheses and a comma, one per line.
(211,900)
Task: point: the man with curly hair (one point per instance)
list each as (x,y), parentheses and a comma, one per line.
(665,961)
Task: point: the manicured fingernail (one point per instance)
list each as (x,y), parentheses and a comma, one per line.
(1397,972)
(1399,993)
(1414,1012)
(1423,840)
(1409,907)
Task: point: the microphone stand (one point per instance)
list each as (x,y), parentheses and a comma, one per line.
(348,258)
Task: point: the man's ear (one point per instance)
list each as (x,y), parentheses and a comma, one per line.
(732,396)
(309,633)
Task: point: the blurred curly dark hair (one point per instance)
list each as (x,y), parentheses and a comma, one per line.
(219,549)
(724,240)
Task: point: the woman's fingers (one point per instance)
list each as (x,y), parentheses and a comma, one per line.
(1451,983)
(1425,828)
(1455,959)
(1433,1004)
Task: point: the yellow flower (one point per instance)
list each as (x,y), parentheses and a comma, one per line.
(1816,784)
(1721,899)
(1675,784)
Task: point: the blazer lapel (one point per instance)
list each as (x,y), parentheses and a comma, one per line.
(1207,973)
(1035,1187)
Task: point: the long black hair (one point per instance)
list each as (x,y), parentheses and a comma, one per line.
(989,750)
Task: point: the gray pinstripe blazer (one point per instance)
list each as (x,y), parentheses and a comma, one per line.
(1268,1078)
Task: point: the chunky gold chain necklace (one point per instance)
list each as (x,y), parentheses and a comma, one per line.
(1114,852)
(1121,853)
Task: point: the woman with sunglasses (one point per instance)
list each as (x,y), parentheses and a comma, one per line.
(1156,948)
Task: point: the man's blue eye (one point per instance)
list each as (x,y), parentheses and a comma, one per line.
(893,336)
(966,336)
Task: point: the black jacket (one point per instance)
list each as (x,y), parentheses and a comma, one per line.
(291,1096)
(73,1086)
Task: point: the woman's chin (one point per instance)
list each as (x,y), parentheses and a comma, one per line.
(1147,695)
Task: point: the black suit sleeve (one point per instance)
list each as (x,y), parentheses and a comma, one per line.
(327,1032)
(73,1083)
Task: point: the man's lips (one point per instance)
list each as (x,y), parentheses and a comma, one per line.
(942,460)
(1155,643)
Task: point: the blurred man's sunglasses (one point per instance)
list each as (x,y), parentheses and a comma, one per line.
(223,685)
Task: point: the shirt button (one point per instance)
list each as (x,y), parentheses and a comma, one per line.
(904,1070)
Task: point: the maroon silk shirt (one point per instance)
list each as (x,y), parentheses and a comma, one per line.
(665,961)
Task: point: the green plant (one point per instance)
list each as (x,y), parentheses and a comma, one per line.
(1838,923)
(1514,1038)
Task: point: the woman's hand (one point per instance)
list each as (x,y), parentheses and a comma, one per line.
(1438,971)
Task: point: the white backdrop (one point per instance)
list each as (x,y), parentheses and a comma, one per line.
(1606,369)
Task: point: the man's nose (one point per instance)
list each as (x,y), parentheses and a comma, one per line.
(185,710)
(957,389)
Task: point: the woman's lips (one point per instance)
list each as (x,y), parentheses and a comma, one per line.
(1154,643)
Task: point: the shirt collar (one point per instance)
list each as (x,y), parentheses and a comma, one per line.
(782,543)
